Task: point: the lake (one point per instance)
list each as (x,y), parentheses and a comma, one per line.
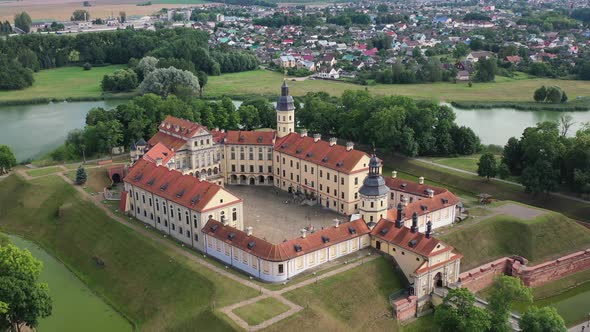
(33,130)
(75,306)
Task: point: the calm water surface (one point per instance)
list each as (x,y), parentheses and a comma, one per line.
(33,130)
(75,306)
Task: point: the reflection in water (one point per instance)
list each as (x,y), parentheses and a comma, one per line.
(32,130)
(497,125)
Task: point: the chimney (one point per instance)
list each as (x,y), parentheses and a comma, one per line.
(202,176)
(333,141)
(430,192)
(414,228)
(336,223)
(249,230)
(158,161)
(394,174)
(349,146)
(303,133)
(428,229)
(316,137)
(405,201)
(421,180)
(303,233)
(398,220)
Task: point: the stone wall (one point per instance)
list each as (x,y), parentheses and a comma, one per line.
(532,276)
(405,308)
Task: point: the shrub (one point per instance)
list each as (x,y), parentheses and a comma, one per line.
(87,66)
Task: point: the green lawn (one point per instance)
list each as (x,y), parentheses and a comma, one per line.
(62,83)
(261,311)
(569,295)
(545,237)
(471,185)
(44,171)
(466,163)
(154,287)
(264,82)
(353,300)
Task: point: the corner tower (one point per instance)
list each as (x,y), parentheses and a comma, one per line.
(285,112)
(373,194)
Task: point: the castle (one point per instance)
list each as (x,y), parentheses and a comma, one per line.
(177,186)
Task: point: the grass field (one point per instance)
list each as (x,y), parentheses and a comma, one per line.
(355,300)
(261,311)
(465,184)
(96,179)
(75,307)
(154,287)
(44,171)
(264,82)
(179,2)
(62,83)
(569,295)
(545,237)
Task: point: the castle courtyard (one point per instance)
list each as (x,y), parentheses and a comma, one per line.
(276,217)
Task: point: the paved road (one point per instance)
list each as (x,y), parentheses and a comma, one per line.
(578,328)
(499,180)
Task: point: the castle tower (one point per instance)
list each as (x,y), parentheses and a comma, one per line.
(285,112)
(373,194)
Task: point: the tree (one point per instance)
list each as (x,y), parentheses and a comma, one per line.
(164,81)
(563,97)
(540,94)
(7,159)
(146,65)
(383,8)
(485,69)
(554,94)
(80,15)
(120,80)
(249,117)
(503,171)
(459,313)
(565,122)
(539,177)
(461,50)
(23,21)
(87,66)
(545,319)
(487,167)
(13,75)
(513,156)
(505,290)
(81,175)
(202,77)
(24,298)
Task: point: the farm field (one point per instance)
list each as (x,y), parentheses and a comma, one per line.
(62,9)
(62,83)
(156,288)
(264,82)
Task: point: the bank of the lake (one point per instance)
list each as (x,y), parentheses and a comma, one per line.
(75,306)
(34,130)
(581,104)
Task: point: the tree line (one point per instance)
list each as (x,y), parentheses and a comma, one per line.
(36,52)
(394,122)
(141,116)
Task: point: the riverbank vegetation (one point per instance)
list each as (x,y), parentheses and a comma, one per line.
(154,287)
(578,104)
(35,52)
(7,159)
(545,158)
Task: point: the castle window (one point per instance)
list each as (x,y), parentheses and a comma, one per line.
(242,168)
(312,170)
(327,176)
(342,181)
(260,169)
(356,195)
(233,168)
(356,181)
(281,269)
(342,195)
(321,186)
(305,168)
(372,204)
(251,168)
(321,173)
(196,237)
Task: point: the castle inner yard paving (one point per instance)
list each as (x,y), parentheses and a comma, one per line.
(276,216)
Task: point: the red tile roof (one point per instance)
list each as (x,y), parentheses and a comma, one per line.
(427,247)
(285,250)
(158,151)
(250,137)
(426,205)
(185,190)
(411,187)
(181,127)
(171,142)
(335,157)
